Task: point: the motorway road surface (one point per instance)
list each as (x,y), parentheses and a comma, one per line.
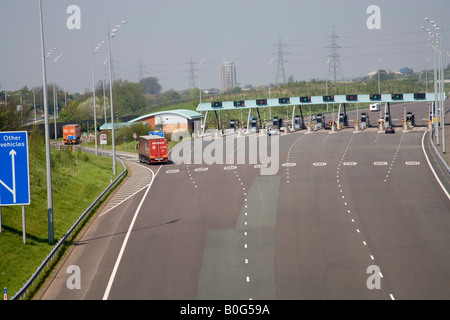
(344,210)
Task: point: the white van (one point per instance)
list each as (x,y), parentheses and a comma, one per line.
(375,107)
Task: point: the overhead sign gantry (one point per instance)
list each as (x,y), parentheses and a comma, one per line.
(314,100)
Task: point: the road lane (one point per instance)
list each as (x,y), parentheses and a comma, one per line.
(224,231)
(405,218)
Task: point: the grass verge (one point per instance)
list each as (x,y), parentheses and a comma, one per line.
(77,179)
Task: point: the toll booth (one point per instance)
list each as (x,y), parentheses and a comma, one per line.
(364,120)
(254,126)
(319,119)
(410,118)
(387,120)
(343,120)
(233,124)
(297,123)
(277,122)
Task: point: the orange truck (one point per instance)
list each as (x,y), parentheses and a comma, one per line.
(152,149)
(71,134)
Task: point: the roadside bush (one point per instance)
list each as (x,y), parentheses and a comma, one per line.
(140,128)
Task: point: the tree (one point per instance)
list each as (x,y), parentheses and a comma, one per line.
(128,97)
(170,96)
(150,85)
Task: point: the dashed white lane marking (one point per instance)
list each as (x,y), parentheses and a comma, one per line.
(288,164)
(395,155)
(343,197)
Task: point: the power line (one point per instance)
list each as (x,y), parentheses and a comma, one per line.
(281,76)
(191,75)
(334,65)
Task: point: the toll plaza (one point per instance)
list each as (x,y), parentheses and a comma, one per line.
(301,101)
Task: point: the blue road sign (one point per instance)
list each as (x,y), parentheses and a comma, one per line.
(156,133)
(14,169)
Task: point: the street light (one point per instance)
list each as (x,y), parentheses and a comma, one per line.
(47,135)
(199,65)
(110,36)
(436,43)
(268,79)
(379,61)
(94,51)
(55,96)
(104,91)
(34,104)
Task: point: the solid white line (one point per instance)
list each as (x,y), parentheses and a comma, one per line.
(392,296)
(124,244)
(432,170)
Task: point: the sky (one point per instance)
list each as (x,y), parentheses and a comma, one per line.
(160,38)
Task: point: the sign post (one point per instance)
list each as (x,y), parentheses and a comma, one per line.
(135,137)
(103,138)
(14,176)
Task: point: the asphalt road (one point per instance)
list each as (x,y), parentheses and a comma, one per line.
(344,211)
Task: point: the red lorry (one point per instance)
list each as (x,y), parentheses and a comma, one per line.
(152,149)
(71,134)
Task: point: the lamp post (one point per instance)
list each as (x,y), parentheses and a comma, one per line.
(379,61)
(112,34)
(55,99)
(34,104)
(104,89)
(199,65)
(436,43)
(268,80)
(47,135)
(94,51)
